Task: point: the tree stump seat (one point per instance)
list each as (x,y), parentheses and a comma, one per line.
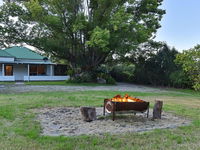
(88,113)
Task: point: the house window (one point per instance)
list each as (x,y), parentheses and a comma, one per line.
(8,70)
(41,70)
(36,70)
(33,70)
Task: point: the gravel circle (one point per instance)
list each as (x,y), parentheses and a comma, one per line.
(67,121)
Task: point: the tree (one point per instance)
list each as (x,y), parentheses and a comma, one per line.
(84,32)
(190,62)
(155,63)
(12,30)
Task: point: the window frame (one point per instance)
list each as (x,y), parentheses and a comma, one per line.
(36,73)
(5,70)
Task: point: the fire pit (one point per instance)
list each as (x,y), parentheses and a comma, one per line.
(126,103)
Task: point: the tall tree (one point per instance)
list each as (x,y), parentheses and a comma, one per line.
(190,62)
(84,32)
(13,30)
(154,63)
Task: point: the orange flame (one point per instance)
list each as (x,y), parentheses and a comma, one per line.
(126,98)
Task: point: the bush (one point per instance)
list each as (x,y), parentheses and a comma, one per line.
(109,80)
(190,62)
(107,77)
(157,67)
(74,80)
(180,80)
(123,72)
(82,77)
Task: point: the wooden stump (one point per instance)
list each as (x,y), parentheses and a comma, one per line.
(88,113)
(157,110)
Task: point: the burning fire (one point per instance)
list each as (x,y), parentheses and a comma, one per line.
(126,98)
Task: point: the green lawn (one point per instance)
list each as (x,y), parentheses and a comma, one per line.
(65,83)
(20,131)
(6,83)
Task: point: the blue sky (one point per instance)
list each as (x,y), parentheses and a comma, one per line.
(181,23)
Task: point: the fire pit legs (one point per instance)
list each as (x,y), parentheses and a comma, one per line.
(104,111)
(113,107)
(113,111)
(148,112)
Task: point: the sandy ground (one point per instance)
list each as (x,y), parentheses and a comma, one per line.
(45,88)
(67,121)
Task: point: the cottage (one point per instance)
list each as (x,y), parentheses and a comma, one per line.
(22,64)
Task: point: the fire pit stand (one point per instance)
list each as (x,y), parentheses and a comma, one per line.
(135,107)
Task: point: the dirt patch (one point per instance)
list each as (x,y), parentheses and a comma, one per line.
(67,121)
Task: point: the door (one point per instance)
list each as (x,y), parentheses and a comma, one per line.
(20,70)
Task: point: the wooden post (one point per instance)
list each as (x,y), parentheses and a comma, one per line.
(88,113)
(3,70)
(157,110)
(148,112)
(28,72)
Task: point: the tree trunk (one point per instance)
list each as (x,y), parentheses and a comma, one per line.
(88,113)
(157,110)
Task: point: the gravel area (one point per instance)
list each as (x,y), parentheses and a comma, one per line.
(67,121)
(18,88)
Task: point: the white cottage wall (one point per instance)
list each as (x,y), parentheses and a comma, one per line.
(19,71)
(0,69)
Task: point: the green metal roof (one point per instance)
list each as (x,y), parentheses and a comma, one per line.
(23,53)
(5,54)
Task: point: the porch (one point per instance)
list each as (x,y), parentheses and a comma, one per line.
(29,72)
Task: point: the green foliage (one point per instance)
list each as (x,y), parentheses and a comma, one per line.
(103,72)
(99,38)
(12,31)
(190,62)
(70,72)
(82,77)
(123,72)
(155,67)
(77,79)
(109,79)
(35,8)
(179,79)
(85,33)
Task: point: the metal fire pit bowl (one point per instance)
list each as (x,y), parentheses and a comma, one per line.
(135,107)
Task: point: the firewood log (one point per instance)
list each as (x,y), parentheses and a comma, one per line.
(157,110)
(88,113)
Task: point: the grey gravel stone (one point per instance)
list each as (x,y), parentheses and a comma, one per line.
(71,124)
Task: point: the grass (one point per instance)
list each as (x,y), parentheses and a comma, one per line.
(6,83)
(64,83)
(20,131)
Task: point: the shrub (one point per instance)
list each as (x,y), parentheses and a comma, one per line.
(180,80)
(109,80)
(83,77)
(123,72)
(190,62)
